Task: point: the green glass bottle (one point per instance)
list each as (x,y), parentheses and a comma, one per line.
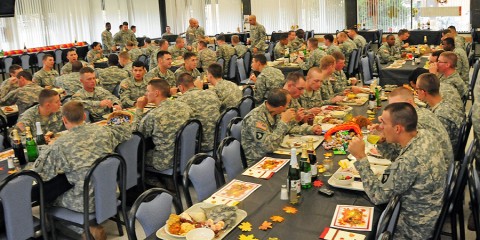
(32,150)
(305,169)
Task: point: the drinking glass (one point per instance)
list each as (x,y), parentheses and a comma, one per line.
(328,165)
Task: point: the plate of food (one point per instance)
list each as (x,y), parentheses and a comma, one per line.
(327,119)
(357,218)
(10,109)
(329,108)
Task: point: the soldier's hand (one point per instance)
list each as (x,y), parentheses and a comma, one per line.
(300,114)
(117,107)
(114,48)
(336,99)
(141,102)
(13,80)
(315,111)
(299,60)
(433,68)
(174,90)
(357,148)
(198,84)
(374,127)
(253,78)
(189,48)
(106,103)
(317,130)
(288,115)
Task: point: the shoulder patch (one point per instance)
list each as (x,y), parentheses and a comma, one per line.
(259,135)
(261,125)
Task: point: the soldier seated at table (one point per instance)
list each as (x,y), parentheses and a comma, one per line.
(298,43)
(227,91)
(133,87)
(25,95)
(327,65)
(240,49)
(125,62)
(280,47)
(72,56)
(206,56)
(388,52)
(340,81)
(268,78)
(111,76)
(190,66)
(346,45)
(433,61)
(402,36)
(97,100)
(162,45)
(133,51)
(11,83)
(178,49)
(95,54)
(162,70)
(225,51)
(417,174)
(358,39)
(330,43)
(70,82)
(312,98)
(462,65)
(314,55)
(45,76)
(446,64)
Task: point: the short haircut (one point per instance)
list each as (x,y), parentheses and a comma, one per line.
(73,111)
(220,37)
(130,44)
(260,58)
(389,35)
(342,35)
(451,57)
(124,55)
(329,37)
(338,55)
(25,74)
(132,27)
(294,77)
(46,56)
(417,72)
(402,31)
(76,66)
(277,97)
(326,62)
(300,33)
(313,70)
(156,41)
(202,43)
(179,40)
(71,50)
(94,44)
(291,31)
(14,68)
(437,53)
(86,70)
(185,79)
(147,40)
(403,114)
(313,41)
(161,42)
(138,64)
(125,23)
(430,83)
(216,70)
(160,54)
(107,23)
(452,27)
(161,85)
(45,95)
(113,59)
(450,41)
(404,93)
(283,37)
(446,31)
(235,39)
(188,55)
(353,29)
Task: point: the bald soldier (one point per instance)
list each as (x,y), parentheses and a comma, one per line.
(258,35)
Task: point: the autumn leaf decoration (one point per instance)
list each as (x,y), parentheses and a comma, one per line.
(245,237)
(245,227)
(290,210)
(277,218)
(265,226)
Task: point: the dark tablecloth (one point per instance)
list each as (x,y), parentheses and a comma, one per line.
(242,36)
(371,35)
(417,37)
(276,36)
(398,76)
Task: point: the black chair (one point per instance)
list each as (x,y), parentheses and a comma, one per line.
(352,63)
(366,48)
(7,62)
(388,219)
(231,158)
(246,105)
(143,58)
(25,58)
(474,189)
(133,151)
(234,128)
(385,236)
(222,125)
(248,91)
(3,131)
(39,57)
(58,58)
(232,69)
(357,60)
(247,59)
(473,80)
(65,99)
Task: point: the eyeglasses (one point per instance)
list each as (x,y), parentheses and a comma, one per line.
(441,62)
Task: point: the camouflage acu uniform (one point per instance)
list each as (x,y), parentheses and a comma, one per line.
(128,67)
(134,54)
(257,37)
(176,52)
(279,50)
(347,49)
(169,76)
(327,89)
(463,66)
(332,48)
(107,40)
(313,60)
(460,42)
(91,101)
(228,93)
(162,124)
(452,119)
(53,123)
(268,79)
(111,77)
(450,95)
(418,176)
(312,99)
(153,59)
(226,52)
(7,87)
(44,78)
(94,55)
(121,38)
(206,57)
(240,50)
(456,81)
(296,44)
(69,82)
(149,50)
(340,83)
(131,90)
(205,107)
(74,153)
(67,68)
(399,43)
(195,73)
(192,34)
(388,54)
(360,41)
(24,97)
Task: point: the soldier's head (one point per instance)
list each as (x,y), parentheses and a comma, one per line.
(49,100)
(147,41)
(214,73)
(73,114)
(192,22)
(278,100)
(235,39)
(446,33)
(390,40)
(120,27)
(403,34)
(191,60)
(157,90)
(291,35)
(185,82)
(428,85)
(434,56)
(300,33)
(88,79)
(201,45)
(48,61)
(252,19)
(258,62)
(130,45)
(76,66)
(125,26)
(352,32)
(167,29)
(113,60)
(401,94)
(339,60)
(163,45)
(295,84)
(412,78)
(96,46)
(312,43)
(220,39)
(180,42)
(14,70)
(133,28)
(164,59)
(452,29)
(447,62)
(397,120)
(123,58)
(24,78)
(72,55)
(314,79)
(108,26)
(448,44)
(327,65)
(328,39)
(342,37)
(283,39)
(138,70)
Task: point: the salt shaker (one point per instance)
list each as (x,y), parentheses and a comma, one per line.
(284,193)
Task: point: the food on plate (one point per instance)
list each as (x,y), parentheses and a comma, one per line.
(336,108)
(352,217)
(8,109)
(338,137)
(270,164)
(344,163)
(343,178)
(327,119)
(374,152)
(361,121)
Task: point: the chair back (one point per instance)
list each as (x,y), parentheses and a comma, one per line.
(268,56)
(473,81)
(116,91)
(8,61)
(142,58)
(459,151)
(58,56)
(474,189)
(15,194)
(25,58)
(187,144)
(88,119)
(271,46)
(133,152)
(351,63)
(202,172)
(357,59)
(366,48)
(367,75)
(246,105)
(385,236)
(152,209)
(222,124)
(248,91)
(377,63)
(247,59)
(65,99)
(232,68)
(231,157)
(388,219)
(242,72)
(234,128)
(40,59)
(221,61)
(371,60)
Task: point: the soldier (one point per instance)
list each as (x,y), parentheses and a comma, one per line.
(446,33)
(388,52)
(224,51)
(167,31)
(257,35)
(227,91)
(402,36)
(314,57)
(95,54)
(340,82)
(45,76)
(162,70)
(331,47)
(133,51)
(178,49)
(194,31)
(417,174)
(134,29)
(206,56)
(72,56)
(107,39)
(312,97)
(433,60)
(240,49)
(25,95)
(162,46)
(11,83)
(291,36)
(459,40)
(111,76)
(358,39)
(133,87)
(190,66)
(451,117)
(124,35)
(328,67)
(346,46)
(462,65)
(298,43)
(97,100)
(426,120)
(65,163)
(446,68)
(148,47)
(47,112)
(279,50)
(268,78)
(205,107)
(160,123)
(70,82)
(124,61)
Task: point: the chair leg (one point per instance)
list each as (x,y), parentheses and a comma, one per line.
(453,223)
(52,227)
(461,220)
(119,224)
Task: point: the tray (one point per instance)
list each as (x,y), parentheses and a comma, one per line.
(358,102)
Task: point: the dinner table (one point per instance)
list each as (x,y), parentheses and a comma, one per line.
(398,75)
(371,35)
(418,37)
(286,68)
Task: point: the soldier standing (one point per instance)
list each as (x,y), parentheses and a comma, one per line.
(257,35)
(107,39)
(194,31)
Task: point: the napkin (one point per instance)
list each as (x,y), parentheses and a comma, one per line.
(335,234)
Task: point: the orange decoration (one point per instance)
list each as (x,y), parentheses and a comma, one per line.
(290,210)
(245,237)
(277,218)
(265,226)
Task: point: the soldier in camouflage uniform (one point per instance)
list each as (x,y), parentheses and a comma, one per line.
(462,65)
(228,92)
(124,62)
(178,49)
(403,34)
(133,87)
(257,36)
(388,52)
(312,97)
(448,74)
(167,31)
(162,70)
(72,56)
(225,51)
(346,46)
(162,46)
(298,43)
(331,47)
(459,40)
(45,76)
(160,123)
(123,36)
(280,47)
(206,56)
(95,54)
(205,107)
(194,31)
(148,47)
(240,49)
(134,51)
(446,33)
(358,39)
(450,95)
(417,173)
(452,118)
(314,57)
(107,38)
(70,82)
(110,77)
(25,95)
(11,83)
(190,66)
(340,81)
(268,78)
(97,100)
(47,113)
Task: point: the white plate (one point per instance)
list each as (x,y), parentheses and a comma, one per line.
(327,126)
(356,185)
(373,160)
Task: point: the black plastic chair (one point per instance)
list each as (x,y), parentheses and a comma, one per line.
(352,63)
(231,158)
(246,105)
(247,59)
(474,188)
(222,125)
(232,69)
(234,128)
(389,218)
(473,80)
(248,91)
